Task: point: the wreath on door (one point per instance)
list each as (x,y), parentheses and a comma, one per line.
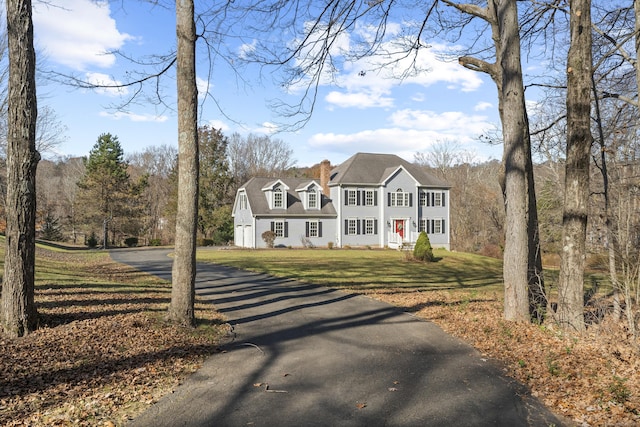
(400,227)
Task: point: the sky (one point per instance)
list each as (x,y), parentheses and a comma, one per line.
(358,113)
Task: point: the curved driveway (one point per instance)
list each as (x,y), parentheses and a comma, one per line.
(304,355)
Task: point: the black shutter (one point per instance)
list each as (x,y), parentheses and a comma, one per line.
(358,198)
(273,226)
(375,198)
(286,229)
(346,226)
(375,226)
(443,193)
(410,199)
(306,229)
(388,199)
(346,197)
(427,196)
(442,227)
(319,228)
(357,227)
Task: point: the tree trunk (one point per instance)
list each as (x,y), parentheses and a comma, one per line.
(538,300)
(181,309)
(522,272)
(515,160)
(570,312)
(19,315)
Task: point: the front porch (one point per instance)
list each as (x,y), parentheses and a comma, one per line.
(402,241)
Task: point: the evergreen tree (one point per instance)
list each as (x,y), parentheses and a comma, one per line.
(51,229)
(215,179)
(105,187)
(423,250)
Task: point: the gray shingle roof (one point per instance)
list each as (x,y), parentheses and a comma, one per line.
(260,206)
(374,169)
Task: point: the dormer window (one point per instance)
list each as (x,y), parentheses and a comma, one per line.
(312,199)
(278,198)
(243,202)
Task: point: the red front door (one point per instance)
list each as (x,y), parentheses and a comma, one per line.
(399,226)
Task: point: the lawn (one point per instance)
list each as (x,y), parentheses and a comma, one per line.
(367,270)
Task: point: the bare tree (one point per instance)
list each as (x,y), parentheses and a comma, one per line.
(523,280)
(181,309)
(441,157)
(19,315)
(157,163)
(255,155)
(579,63)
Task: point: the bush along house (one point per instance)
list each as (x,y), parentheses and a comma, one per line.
(376,200)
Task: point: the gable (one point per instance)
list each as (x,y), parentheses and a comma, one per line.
(375,169)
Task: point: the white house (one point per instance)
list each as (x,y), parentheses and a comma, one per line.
(372,200)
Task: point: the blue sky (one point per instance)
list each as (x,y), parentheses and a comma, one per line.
(368,113)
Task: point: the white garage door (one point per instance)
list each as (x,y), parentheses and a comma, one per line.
(238,237)
(248,236)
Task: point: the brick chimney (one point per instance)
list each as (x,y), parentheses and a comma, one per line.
(325,174)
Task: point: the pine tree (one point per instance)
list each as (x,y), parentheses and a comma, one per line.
(105,187)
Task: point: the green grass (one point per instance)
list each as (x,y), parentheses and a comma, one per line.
(367,269)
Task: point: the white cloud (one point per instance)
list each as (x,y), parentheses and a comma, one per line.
(446,123)
(112,87)
(482,106)
(266,128)
(77,33)
(410,132)
(118,115)
(203,86)
(358,100)
(219,124)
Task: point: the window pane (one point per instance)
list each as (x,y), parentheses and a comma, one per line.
(368,227)
(278,228)
(313,200)
(352,229)
(277,199)
(369,198)
(313,229)
(352,198)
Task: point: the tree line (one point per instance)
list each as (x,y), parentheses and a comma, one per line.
(109,198)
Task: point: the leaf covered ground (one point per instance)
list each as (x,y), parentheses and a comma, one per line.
(590,380)
(104,353)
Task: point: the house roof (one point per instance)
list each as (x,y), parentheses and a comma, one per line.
(260,206)
(375,169)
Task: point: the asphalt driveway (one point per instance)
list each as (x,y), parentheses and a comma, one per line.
(304,355)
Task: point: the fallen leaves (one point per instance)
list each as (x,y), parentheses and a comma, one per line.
(103,352)
(591,379)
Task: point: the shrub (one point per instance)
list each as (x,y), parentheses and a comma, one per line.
(155,242)
(131,242)
(92,241)
(269,238)
(204,242)
(423,250)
